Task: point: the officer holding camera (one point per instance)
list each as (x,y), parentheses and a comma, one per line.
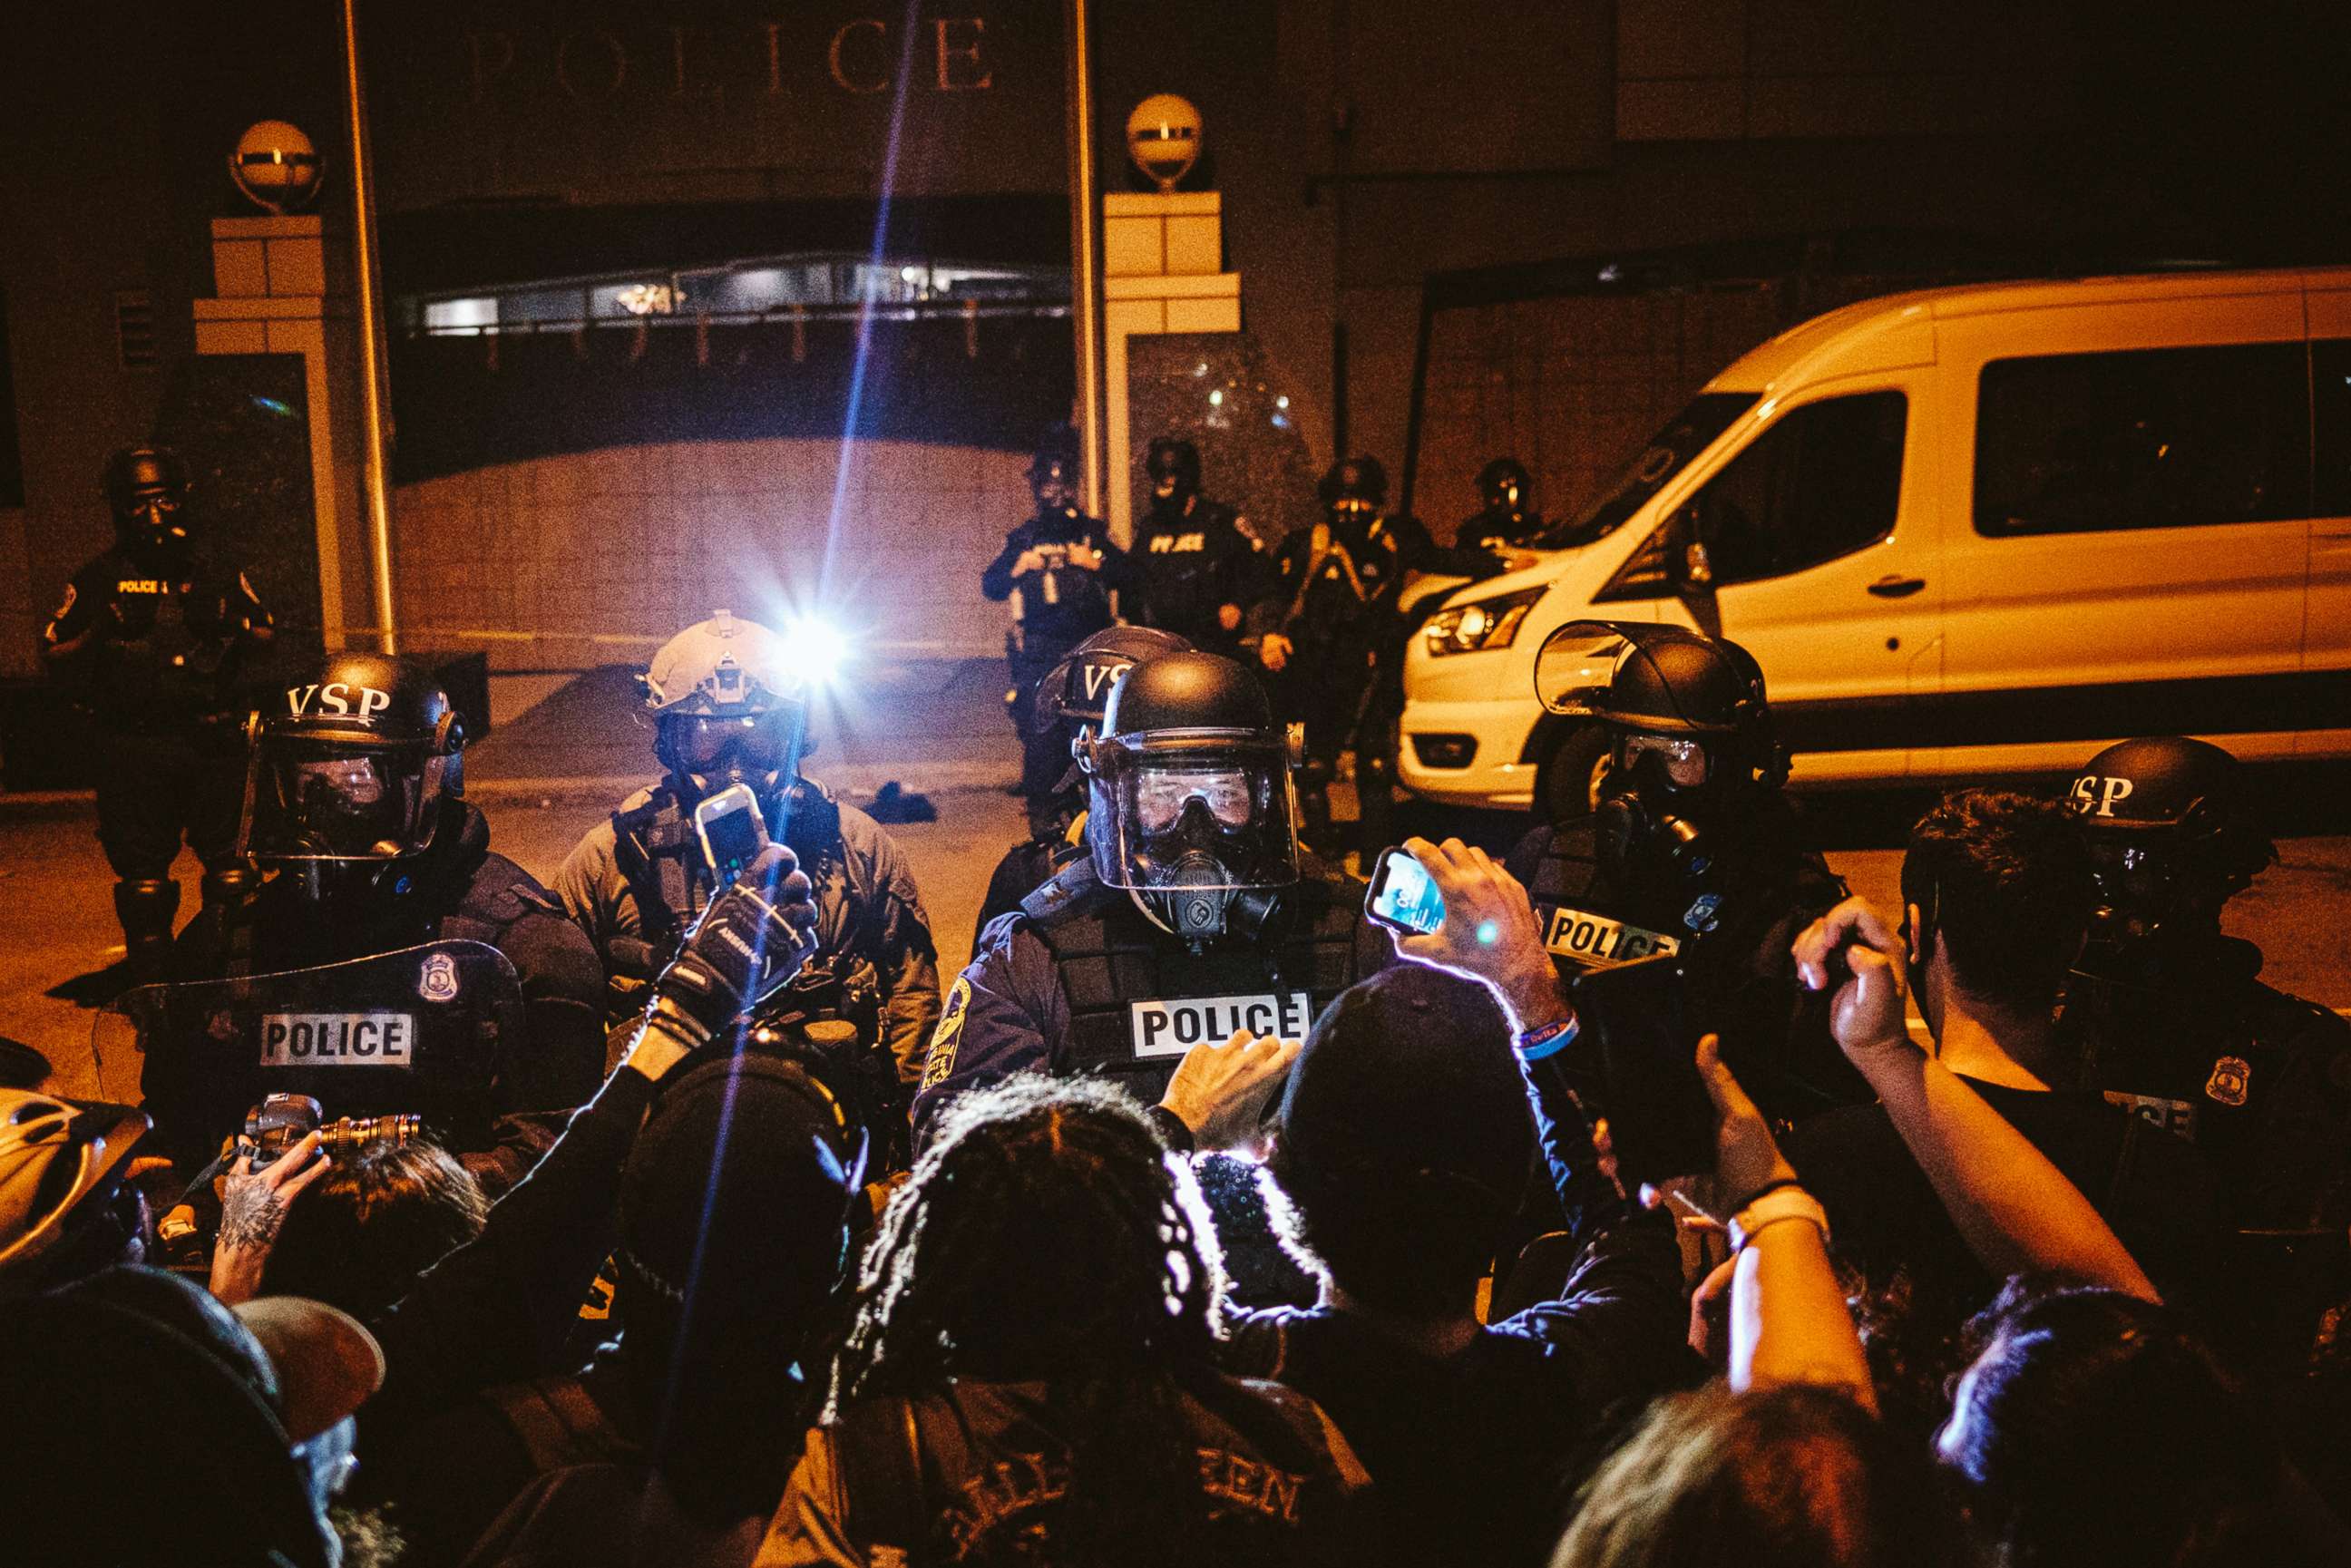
(1062,575)
(1690,847)
(151,634)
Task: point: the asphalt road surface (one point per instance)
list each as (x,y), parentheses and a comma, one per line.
(544,779)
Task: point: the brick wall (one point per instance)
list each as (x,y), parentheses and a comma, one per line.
(594,558)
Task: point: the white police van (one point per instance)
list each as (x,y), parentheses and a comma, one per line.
(1966,531)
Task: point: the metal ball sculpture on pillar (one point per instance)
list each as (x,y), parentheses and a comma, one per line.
(1163,137)
(276,166)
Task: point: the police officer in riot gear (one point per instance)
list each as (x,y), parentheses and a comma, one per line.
(1692,848)
(1192,914)
(1197,568)
(727,701)
(152,635)
(1062,575)
(356,812)
(1069,702)
(1329,634)
(1507,522)
(2170,1009)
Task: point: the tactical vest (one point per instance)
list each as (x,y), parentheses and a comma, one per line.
(1139,998)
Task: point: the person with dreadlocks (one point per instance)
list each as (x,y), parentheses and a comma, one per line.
(1029,1375)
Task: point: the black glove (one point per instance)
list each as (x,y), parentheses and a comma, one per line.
(747,944)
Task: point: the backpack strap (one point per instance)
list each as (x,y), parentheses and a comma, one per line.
(638,839)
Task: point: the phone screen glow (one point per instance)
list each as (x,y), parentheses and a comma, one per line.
(1408,896)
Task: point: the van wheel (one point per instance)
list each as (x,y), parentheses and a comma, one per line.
(1568,783)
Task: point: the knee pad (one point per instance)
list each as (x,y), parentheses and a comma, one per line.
(146,908)
(228,883)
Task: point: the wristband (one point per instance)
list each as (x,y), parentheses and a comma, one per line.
(1783,1203)
(1549,1039)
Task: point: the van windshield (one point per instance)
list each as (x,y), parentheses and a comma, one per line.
(1685,436)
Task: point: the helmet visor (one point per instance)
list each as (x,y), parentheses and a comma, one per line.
(335,800)
(1576,664)
(1205,809)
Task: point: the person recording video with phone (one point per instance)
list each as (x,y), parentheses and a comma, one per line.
(729,706)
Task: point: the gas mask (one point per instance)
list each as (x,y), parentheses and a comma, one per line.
(1174,477)
(1649,830)
(2152,895)
(1201,840)
(708,754)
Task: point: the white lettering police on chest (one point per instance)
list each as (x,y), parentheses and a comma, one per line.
(1170,1028)
(337,1040)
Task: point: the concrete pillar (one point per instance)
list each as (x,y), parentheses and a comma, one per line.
(1161,260)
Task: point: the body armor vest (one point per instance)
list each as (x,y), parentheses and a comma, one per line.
(1139,998)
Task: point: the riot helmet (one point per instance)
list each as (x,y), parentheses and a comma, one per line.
(1054,473)
(2173,836)
(1506,488)
(1189,801)
(1076,691)
(358,764)
(729,706)
(1174,465)
(1690,736)
(1354,489)
(66,1205)
(147,492)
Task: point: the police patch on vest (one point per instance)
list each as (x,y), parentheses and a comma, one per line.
(948,1035)
(2231,1077)
(438,980)
(1597,942)
(337,1040)
(1172,1028)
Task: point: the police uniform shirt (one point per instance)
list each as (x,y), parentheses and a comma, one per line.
(165,621)
(2258,1080)
(1189,565)
(1010,1009)
(1059,604)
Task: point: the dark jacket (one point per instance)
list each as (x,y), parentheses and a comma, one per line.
(1061,605)
(1188,565)
(976,1471)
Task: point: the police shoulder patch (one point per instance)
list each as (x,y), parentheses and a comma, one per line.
(948,1035)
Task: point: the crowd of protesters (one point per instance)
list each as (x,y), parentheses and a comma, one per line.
(1977,1315)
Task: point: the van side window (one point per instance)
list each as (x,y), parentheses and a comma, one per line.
(2330,394)
(2151,438)
(1823,481)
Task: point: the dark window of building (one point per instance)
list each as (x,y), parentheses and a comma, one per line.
(2330,393)
(12,459)
(2153,438)
(134,331)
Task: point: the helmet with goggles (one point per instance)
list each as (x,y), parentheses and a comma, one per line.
(2173,835)
(1357,485)
(145,489)
(1504,485)
(1688,711)
(728,703)
(354,764)
(1174,465)
(1189,796)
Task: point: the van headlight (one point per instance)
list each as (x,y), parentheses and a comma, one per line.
(1474,627)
